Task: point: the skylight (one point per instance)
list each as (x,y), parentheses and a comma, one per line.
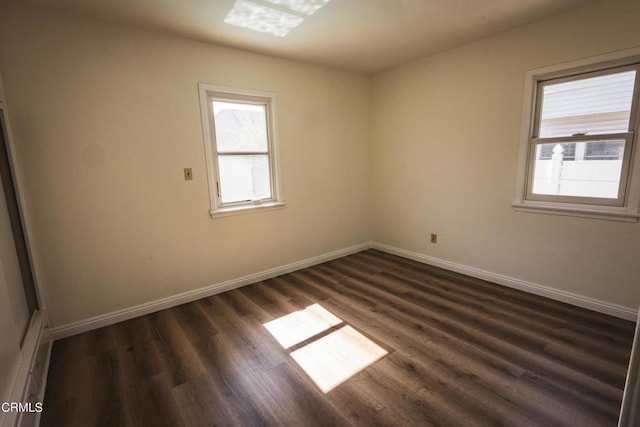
(265,16)
(308,7)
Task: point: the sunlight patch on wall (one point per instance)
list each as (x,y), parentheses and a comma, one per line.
(333,355)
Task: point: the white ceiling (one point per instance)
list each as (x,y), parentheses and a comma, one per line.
(361,35)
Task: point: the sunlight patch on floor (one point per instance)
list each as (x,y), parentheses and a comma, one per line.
(300,325)
(330,358)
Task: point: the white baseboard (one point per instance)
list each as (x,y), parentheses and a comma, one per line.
(96,322)
(622,312)
(43,380)
(107,319)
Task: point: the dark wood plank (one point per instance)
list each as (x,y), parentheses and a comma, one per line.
(459,351)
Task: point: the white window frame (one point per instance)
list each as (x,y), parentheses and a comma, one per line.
(209,93)
(627,206)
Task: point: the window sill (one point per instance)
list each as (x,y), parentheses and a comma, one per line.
(245,209)
(567,209)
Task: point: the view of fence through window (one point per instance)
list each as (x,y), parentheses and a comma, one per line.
(577,165)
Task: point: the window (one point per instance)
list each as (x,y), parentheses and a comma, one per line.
(579,152)
(240,147)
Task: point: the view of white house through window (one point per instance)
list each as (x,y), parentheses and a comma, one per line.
(593,105)
(239,131)
(583,135)
(243,151)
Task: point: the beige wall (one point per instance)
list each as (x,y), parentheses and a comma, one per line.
(105,118)
(444,152)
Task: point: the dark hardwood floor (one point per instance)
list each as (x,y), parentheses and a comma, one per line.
(459,351)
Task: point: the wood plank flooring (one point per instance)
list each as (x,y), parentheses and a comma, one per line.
(459,352)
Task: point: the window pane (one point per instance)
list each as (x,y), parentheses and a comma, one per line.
(545,151)
(604,150)
(244,177)
(598,176)
(240,127)
(594,105)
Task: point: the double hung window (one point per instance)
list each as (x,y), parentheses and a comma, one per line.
(581,141)
(239,129)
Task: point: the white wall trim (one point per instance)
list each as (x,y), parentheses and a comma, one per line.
(27,354)
(24,217)
(616,310)
(44,379)
(100,321)
(630,409)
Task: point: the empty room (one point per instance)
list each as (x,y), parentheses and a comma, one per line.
(319,212)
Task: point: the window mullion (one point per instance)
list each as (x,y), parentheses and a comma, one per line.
(242,153)
(582,138)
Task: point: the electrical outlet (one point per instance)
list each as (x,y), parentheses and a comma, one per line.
(188,174)
(434,238)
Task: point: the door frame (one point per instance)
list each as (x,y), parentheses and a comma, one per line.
(5,128)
